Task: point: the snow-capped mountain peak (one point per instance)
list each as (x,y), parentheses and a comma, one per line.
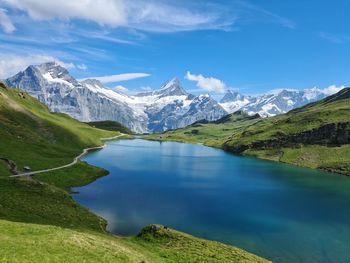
(93,82)
(231,96)
(53,67)
(52,71)
(174,82)
(274,102)
(233,101)
(172,87)
(88,100)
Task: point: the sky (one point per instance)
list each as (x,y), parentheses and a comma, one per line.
(248,46)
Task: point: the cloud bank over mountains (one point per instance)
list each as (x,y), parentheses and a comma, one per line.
(10,64)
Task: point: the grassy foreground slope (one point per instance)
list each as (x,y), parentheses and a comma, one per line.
(37,243)
(315,136)
(39,220)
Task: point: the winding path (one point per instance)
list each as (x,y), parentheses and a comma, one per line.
(76,159)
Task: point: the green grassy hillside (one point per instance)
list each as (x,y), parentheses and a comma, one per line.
(315,136)
(332,110)
(32,136)
(39,220)
(209,133)
(37,243)
(110,126)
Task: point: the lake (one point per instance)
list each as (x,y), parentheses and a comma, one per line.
(280,212)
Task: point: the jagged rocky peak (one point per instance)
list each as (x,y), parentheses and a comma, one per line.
(206,102)
(93,82)
(53,70)
(53,67)
(286,93)
(231,96)
(34,77)
(172,87)
(95,85)
(174,82)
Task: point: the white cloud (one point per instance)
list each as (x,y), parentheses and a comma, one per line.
(121,89)
(146,88)
(332,89)
(157,16)
(209,84)
(154,15)
(257,13)
(337,39)
(5,22)
(103,12)
(119,77)
(11,64)
(82,67)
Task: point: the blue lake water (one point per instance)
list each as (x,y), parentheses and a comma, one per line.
(280,212)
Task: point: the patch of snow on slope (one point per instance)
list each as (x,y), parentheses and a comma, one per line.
(234,106)
(49,78)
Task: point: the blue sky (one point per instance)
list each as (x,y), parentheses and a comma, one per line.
(249,46)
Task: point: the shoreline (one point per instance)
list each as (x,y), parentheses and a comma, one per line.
(165,228)
(75,160)
(329,170)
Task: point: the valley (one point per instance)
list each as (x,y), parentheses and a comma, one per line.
(304,136)
(40,211)
(158,131)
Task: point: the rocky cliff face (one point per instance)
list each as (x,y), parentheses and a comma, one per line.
(171,107)
(182,113)
(52,85)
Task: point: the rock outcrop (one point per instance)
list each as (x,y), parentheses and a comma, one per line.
(333,134)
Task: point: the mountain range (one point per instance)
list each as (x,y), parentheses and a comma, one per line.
(273,103)
(170,107)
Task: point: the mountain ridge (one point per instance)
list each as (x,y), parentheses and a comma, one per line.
(170,107)
(89,100)
(273,103)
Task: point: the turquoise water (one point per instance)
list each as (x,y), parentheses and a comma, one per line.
(280,212)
